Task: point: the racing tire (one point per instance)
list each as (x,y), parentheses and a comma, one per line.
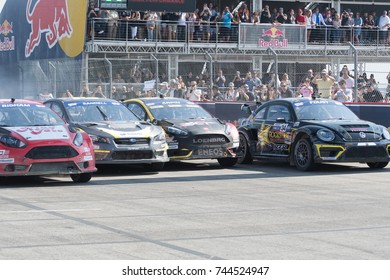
(227,162)
(81,178)
(303,155)
(244,155)
(157,166)
(377,165)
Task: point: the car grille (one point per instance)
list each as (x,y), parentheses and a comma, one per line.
(366,152)
(132,141)
(53,167)
(129,155)
(210,139)
(52,152)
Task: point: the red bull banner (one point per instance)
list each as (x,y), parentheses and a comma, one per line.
(162,5)
(273,37)
(41,29)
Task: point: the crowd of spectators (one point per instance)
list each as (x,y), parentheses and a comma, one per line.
(340,26)
(247,87)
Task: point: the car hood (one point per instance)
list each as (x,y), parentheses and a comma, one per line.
(117,129)
(197,126)
(353,130)
(33,133)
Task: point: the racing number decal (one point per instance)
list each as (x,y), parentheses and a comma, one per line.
(274,139)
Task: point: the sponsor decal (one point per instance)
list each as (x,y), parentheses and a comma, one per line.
(273,37)
(357,129)
(41,132)
(366,144)
(209,140)
(7,160)
(362,134)
(87,158)
(8,42)
(59,21)
(210,152)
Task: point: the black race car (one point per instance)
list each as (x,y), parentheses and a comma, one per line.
(192,132)
(305,132)
(118,136)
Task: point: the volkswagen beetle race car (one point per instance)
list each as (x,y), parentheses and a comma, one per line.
(192,132)
(305,132)
(35,141)
(118,136)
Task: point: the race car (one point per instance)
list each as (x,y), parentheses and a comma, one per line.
(35,141)
(118,136)
(192,132)
(309,131)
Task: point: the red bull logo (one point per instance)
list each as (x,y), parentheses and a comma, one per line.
(49,17)
(272,38)
(8,43)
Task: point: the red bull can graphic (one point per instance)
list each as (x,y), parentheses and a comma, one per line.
(271,38)
(8,42)
(49,17)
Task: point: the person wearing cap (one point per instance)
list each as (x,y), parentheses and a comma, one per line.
(372,94)
(171,88)
(163,90)
(230,93)
(344,94)
(324,83)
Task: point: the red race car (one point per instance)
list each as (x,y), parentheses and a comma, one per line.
(36,141)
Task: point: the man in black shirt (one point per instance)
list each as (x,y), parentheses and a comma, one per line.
(372,94)
(265,15)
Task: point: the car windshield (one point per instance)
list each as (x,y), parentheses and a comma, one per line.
(323,110)
(98,111)
(20,114)
(179,111)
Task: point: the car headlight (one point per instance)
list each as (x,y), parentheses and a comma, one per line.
(99,139)
(325,135)
(78,139)
(386,133)
(159,137)
(12,142)
(177,131)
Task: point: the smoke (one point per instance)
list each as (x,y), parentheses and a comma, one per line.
(9,81)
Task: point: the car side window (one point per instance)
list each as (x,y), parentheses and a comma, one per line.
(278,111)
(138,111)
(57,109)
(260,114)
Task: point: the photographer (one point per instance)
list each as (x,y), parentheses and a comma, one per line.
(265,15)
(324,84)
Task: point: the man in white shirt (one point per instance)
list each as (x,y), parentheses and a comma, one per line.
(344,94)
(194,94)
(384,24)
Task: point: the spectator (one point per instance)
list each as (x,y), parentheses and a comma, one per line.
(181,27)
(357,24)
(255,17)
(230,93)
(45,95)
(151,18)
(98,92)
(384,24)
(309,24)
(113,24)
(248,92)
(67,94)
(237,80)
(348,79)
(163,89)
(172,26)
(372,80)
(291,17)
(265,15)
(85,91)
(285,79)
(241,95)
(372,94)
(305,89)
(226,24)
(262,93)
(270,95)
(217,95)
(192,18)
(171,88)
(220,80)
(249,81)
(344,94)
(328,19)
(135,20)
(324,84)
(91,15)
(369,24)
(205,16)
(193,93)
(284,91)
(179,91)
(301,19)
(318,21)
(281,17)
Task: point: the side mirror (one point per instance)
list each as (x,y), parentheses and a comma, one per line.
(246,109)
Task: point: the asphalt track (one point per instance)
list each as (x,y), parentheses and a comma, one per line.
(197,210)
